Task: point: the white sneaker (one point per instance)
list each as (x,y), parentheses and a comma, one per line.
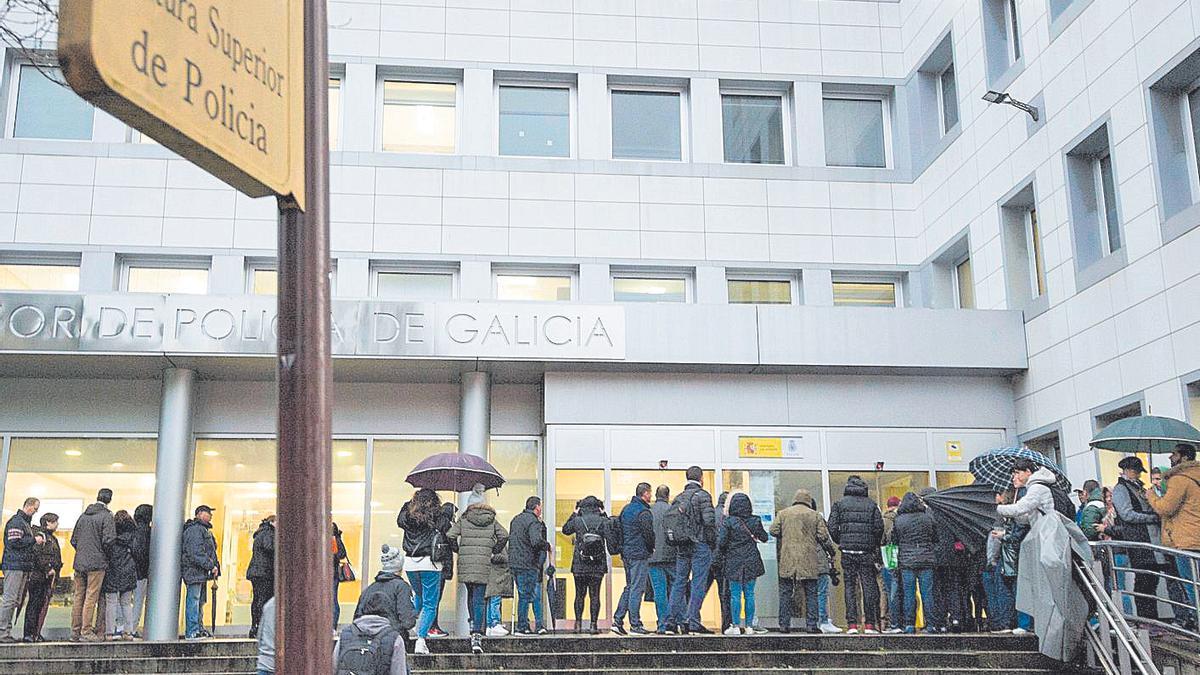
(733,630)
(894,631)
(1020,631)
(852,631)
(870,631)
(421,647)
(829,628)
(758,630)
(497,631)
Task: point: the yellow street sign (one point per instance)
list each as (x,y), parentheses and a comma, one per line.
(221,82)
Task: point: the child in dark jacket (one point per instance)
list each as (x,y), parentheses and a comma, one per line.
(738,538)
(121,579)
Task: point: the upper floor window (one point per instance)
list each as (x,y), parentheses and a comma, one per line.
(643,287)
(47,108)
(1024,264)
(855,131)
(1093,206)
(49,277)
(747,290)
(414,285)
(753,128)
(647,124)
(964,284)
(534,287)
(948,98)
(1174,124)
(1001,41)
(1110,231)
(1013,29)
(264,280)
(335,112)
(851,293)
(151,278)
(1037,265)
(419,116)
(535,121)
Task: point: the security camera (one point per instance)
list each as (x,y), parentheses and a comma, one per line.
(879,466)
(662,463)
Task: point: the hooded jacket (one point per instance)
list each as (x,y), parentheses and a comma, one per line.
(94,532)
(1092,514)
(262,554)
(1038,499)
(637,527)
(398,598)
(478,535)
(915,534)
(372,624)
(141,548)
(18,543)
(804,543)
(122,568)
(738,539)
(500,577)
(1179,506)
(701,501)
(588,519)
(527,545)
(48,554)
(664,551)
(199,554)
(855,522)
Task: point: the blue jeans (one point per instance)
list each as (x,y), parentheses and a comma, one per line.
(191,609)
(493,611)
(1122,560)
(337,608)
(431,590)
(529,592)
(477,606)
(661,577)
(695,563)
(737,591)
(823,598)
(895,597)
(999,600)
(911,577)
(636,574)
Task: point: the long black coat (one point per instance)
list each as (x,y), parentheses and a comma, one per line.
(855,523)
(121,576)
(262,554)
(587,519)
(141,550)
(738,539)
(915,534)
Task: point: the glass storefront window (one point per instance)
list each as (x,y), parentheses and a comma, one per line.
(191,280)
(882,484)
(66,473)
(947,479)
(25,277)
(570,486)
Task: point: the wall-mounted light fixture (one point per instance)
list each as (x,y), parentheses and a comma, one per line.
(998,97)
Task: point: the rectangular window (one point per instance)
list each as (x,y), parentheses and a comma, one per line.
(760,292)
(649,289)
(147,279)
(419,117)
(535,121)
(1193,397)
(1191,114)
(47,108)
(646,125)
(533,288)
(335,112)
(948,99)
(753,128)
(1014,30)
(415,285)
(1033,247)
(855,132)
(39,277)
(264,281)
(864,294)
(964,285)
(1106,189)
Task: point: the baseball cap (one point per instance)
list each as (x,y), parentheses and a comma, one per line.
(202,508)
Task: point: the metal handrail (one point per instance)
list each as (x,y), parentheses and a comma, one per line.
(1130,652)
(1109,549)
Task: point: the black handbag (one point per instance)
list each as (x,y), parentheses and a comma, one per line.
(439,548)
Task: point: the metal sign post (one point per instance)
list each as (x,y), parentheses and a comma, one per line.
(304,565)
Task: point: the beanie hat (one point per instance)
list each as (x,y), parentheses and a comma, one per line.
(893,502)
(391,559)
(476,496)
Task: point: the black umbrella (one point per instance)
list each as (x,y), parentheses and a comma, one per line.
(968,511)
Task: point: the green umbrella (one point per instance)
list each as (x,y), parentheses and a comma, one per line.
(1145,433)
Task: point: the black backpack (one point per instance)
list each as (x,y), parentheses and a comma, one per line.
(614,534)
(1063,503)
(681,521)
(590,544)
(363,654)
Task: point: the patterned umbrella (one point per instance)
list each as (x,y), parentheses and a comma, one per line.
(1145,433)
(454,472)
(994,467)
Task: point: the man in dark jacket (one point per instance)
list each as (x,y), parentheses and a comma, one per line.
(261,571)
(47,565)
(143,515)
(637,544)
(390,584)
(1137,521)
(94,533)
(693,559)
(856,525)
(662,560)
(199,564)
(527,549)
(18,562)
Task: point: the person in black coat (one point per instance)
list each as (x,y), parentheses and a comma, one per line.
(121,579)
(738,538)
(261,571)
(198,564)
(47,567)
(143,516)
(589,562)
(856,526)
(915,535)
(17,562)
(527,549)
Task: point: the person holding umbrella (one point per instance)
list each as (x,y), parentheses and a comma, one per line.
(199,565)
(425,521)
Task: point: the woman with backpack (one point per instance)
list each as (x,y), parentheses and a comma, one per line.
(425,521)
(478,536)
(120,580)
(589,563)
(737,541)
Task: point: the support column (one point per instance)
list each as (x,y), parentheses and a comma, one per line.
(172,469)
(474,434)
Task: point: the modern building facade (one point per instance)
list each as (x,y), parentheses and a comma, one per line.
(600,241)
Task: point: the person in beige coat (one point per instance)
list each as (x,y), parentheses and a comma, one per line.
(804,551)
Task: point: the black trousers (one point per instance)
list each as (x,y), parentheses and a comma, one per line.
(861,579)
(38,590)
(1147,584)
(957,598)
(587,586)
(787,589)
(262,590)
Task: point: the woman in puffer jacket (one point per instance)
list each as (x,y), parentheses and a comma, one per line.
(915,535)
(738,539)
(478,534)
